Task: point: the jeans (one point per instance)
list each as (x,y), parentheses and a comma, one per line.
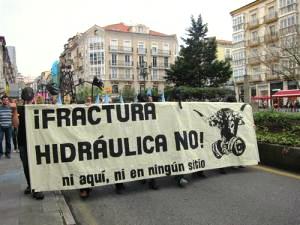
(7,132)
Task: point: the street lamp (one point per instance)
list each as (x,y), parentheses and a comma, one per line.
(66,83)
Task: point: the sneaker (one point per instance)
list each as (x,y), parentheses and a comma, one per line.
(38,195)
(27,191)
(182,182)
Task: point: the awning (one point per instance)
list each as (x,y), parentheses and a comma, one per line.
(286,93)
(260,97)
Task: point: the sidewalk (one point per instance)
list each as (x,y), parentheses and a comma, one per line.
(19,209)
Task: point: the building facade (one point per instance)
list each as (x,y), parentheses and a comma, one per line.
(261,30)
(224,52)
(7,72)
(121,56)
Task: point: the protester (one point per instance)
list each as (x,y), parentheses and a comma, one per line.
(15,123)
(83,192)
(6,112)
(27,96)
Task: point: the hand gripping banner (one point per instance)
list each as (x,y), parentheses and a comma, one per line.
(79,146)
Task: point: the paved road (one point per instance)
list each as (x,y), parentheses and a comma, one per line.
(249,196)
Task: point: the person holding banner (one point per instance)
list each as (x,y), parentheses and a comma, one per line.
(27,95)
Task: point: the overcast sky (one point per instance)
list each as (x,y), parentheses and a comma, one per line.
(39,28)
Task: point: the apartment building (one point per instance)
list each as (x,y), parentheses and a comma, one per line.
(7,74)
(260,29)
(224,49)
(121,55)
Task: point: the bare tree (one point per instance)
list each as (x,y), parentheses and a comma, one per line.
(281,59)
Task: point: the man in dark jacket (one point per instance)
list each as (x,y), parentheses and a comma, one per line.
(27,96)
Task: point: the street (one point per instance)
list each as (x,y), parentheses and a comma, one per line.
(248,196)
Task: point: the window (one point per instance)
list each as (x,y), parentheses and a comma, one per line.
(127,45)
(154,61)
(127,60)
(238,37)
(141,47)
(113,59)
(165,48)
(227,53)
(238,23)
(96,58)
(154,74)
(140,29)
(96,71)
(271,10)
(253,18)
(256,70)
(254,52)
(95,43)
(272,30)
(239,72)
(154,49)
(287,6)
(141,60)
(166,62)
(127,73)
(253,91)
(115,89)
(254,36)
(114,73)
(114,44)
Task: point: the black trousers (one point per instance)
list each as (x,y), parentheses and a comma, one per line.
(23,156)
(14,137)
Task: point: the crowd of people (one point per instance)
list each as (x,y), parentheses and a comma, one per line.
(12,127)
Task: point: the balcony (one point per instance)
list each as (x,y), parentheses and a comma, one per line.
(272,57)
(253,24)
(120,49)
(258,77)
(161,66)
(269,38)
(289,30)
(271,17)
(270,76)
(121,64)
(160,52)
(121,77)
(141,51)
(253,42)
(238,80)
(157,78)
(141,78)
(254,60)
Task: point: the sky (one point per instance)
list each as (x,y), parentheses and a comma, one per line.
(40,28)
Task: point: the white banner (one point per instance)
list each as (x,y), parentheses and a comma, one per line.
(78,146)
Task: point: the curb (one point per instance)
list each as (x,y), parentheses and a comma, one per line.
(280,156)
(64,209)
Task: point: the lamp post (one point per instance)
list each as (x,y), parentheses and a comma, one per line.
(66,83)
(143,72)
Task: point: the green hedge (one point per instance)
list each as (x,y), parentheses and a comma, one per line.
(278,128)
(197,94)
